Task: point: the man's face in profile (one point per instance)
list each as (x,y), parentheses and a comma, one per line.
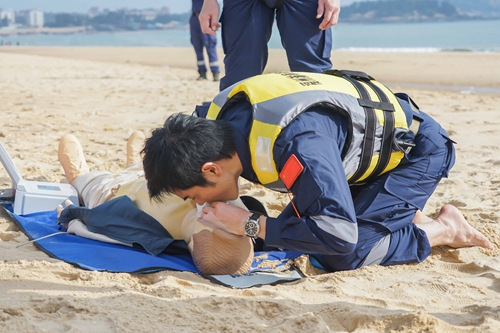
(222,189)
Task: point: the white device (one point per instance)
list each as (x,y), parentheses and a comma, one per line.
(34,196)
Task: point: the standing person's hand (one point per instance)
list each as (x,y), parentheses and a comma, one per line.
(329,10)
(209,17)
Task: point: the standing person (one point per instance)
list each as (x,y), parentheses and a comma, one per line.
(304,27)
(200,41)
(360,161)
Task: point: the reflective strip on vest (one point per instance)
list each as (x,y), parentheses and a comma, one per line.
(278,98)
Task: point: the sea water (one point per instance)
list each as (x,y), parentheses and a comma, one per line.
(475,36)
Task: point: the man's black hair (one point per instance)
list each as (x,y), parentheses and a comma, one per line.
(174,154)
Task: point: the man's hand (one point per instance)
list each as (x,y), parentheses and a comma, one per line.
(232,217)
(209,17)
(329,10)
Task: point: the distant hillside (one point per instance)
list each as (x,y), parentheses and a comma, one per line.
(485,8)
(387,11)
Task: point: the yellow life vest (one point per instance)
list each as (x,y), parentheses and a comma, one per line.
(278,98)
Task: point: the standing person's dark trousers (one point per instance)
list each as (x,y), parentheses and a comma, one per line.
(199,40)
(247,27)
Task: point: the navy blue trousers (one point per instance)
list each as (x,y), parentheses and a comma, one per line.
(201,41)
(246,30)
(386,206)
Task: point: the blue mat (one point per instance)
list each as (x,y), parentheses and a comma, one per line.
(100,256)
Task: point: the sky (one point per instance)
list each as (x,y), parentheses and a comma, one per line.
(82,6)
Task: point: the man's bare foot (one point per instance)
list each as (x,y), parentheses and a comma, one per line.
(421,218)
(450,228)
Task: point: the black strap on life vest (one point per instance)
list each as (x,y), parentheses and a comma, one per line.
(365,101)
(387,133)
(367,149)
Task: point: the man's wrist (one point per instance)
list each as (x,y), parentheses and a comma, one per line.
(251,227)
(262,224)
(262,220)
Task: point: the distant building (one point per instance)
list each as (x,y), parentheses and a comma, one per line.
(34,18)
(8,15)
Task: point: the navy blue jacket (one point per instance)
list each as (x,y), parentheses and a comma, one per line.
(120,219)
(329,215)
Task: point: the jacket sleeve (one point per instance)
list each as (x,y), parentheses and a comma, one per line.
(321,194)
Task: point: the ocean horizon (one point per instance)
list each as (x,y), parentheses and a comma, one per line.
(459,36)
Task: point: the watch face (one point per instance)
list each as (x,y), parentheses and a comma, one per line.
(251,229)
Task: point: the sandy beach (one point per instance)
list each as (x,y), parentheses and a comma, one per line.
(101,95)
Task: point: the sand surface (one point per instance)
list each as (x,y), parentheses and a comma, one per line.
(102,94)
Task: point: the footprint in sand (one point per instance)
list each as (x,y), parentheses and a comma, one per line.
(458,203)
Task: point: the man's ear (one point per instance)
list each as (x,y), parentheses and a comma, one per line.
(211,169)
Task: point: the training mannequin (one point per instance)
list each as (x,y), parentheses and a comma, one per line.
(214,251)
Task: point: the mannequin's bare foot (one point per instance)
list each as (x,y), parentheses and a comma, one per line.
(71,157)
(450,228)
(135,144)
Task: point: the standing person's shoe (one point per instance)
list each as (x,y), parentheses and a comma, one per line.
(216,76)
(203,76)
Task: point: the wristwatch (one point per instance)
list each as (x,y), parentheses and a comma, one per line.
(252,226)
